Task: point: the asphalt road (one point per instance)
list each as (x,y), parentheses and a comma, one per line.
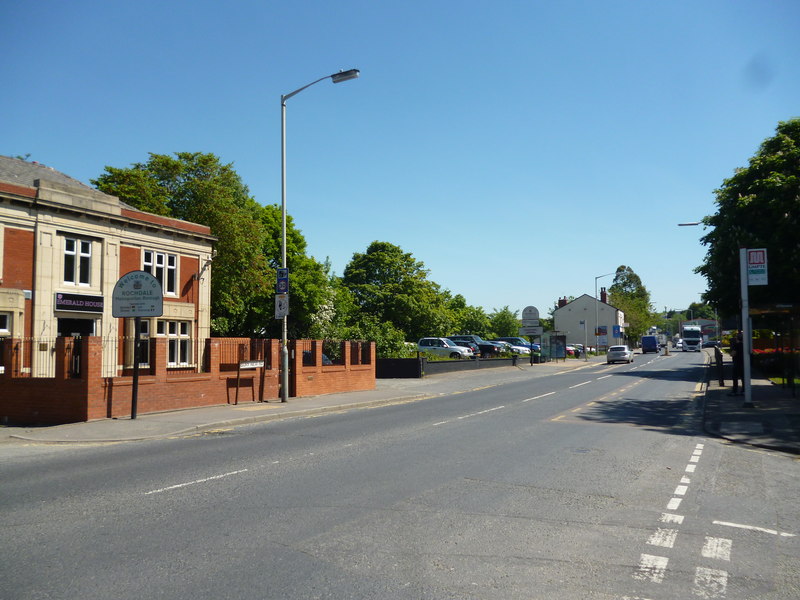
(590,484)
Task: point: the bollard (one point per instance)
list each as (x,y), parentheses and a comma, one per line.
(720,372)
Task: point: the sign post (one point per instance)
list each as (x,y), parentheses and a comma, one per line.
(137,294)
(752,271)
(530,325)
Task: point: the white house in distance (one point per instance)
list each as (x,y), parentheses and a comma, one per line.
(578,320)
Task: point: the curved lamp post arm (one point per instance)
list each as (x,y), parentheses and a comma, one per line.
(335,78)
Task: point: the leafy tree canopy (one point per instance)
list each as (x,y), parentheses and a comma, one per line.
(393,286)
(628,294)
(759,207)
(504,322)
(198,187)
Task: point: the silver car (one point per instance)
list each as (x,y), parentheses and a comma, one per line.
(619,354)
(443,347)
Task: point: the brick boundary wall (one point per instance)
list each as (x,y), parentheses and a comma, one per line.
(61,399)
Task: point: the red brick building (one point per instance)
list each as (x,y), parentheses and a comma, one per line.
(64,245)
(64,357)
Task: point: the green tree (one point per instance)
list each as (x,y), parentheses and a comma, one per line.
(466,319)
(628,294)
(392,286)
(759,207)
(504,322)
(198,187)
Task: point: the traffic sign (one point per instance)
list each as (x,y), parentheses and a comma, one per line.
(282,285)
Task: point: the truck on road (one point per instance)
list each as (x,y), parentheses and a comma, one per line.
(692,338)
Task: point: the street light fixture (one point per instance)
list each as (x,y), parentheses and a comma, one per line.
(335,78)
(597,312)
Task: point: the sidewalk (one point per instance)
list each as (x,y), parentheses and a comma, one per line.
(195,420)
(773,422)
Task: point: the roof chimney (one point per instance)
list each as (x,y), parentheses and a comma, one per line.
(603,296)
(562,302)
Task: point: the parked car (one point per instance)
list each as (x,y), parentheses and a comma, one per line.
(619,354)
(711,344)
(513,348)
(487,349)
(443,347)
(515,341)
(476,351)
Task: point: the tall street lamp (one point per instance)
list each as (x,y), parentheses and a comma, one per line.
(597,312)
(335,78)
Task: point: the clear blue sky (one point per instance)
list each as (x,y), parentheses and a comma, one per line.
(518,149)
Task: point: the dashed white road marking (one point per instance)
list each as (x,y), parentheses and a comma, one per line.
(196,481)
(694,459)
(664,538)
(674,503)
(540,396)
(604,377)
(670,518)
(710,583)
(717,548)
(754,528)
(579,385)
(681,490)
(475,414)
(651,568)
(690,468)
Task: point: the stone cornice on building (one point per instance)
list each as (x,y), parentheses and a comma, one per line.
(57,192)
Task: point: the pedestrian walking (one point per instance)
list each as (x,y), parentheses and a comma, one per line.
(737,352)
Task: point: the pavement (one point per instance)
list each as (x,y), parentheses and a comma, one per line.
(773,421)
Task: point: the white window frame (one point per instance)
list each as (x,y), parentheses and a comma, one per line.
(179,341)
(164,267)
(80,255)
(5,323)
(144,343)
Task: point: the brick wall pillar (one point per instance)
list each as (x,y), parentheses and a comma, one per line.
(212,356)
(158,358)
(346,354)
(91,358)
(90,403)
